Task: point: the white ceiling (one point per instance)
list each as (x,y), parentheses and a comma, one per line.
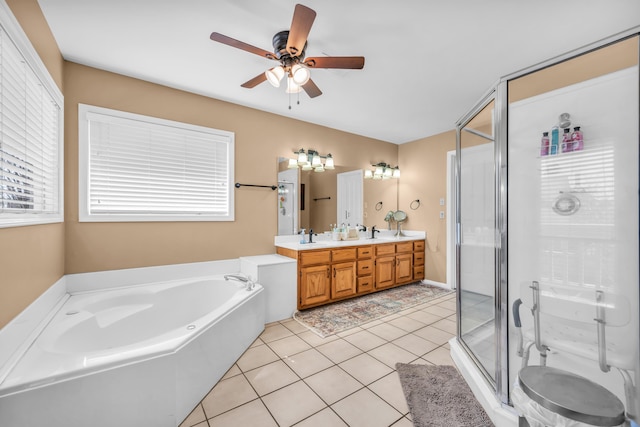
(427,61)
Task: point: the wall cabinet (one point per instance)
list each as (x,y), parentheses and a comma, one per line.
(327,275)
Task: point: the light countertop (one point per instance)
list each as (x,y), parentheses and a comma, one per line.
(322,241)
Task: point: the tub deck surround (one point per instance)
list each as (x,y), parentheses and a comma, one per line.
(128,354)
(277,275)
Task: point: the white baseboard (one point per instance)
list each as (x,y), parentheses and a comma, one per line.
(438,284)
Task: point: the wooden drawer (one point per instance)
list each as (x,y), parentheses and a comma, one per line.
(339,255)
(365,267)
(418,272)
(418,246)
(314,257)
(365,284)
(418,258)
(365,252)
(389,249)
(404,247)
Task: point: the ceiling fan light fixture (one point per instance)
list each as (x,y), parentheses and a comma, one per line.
(293,87)
(274,75)
(300,74)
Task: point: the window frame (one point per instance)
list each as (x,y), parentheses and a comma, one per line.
(84,151)
(32,60)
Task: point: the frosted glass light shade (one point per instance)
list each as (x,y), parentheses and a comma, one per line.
(274,75)
(307,167)
(302,157)
(396,172)
(368,174)
(300,74)
(293,164)
(328,164)
(316,161)
(292,87)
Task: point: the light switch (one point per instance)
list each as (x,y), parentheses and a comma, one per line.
(441,214)
(441,202)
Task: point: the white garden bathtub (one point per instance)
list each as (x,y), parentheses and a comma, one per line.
(138,356)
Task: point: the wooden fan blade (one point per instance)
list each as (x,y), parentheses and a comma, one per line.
(350,62)
(311,89)
(221,38)
(303,18)
(255,81)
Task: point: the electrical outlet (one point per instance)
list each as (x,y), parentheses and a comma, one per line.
(441,202)
(441,214)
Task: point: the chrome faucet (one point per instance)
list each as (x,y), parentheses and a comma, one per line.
(239,277)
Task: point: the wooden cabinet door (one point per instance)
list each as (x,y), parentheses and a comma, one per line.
(343,283)
(404,268)
(385,272)
(315,285)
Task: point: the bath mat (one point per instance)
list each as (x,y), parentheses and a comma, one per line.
(438,396)
(339,316)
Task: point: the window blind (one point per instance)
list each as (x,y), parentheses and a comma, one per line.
(30,141)
(144,169)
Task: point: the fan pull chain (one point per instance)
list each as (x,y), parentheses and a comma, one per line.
(289,100)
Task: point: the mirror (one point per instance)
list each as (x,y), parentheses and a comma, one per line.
(309,200)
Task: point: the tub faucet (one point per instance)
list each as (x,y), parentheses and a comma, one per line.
(247,280)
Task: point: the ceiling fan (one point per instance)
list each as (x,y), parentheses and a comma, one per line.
(289,49)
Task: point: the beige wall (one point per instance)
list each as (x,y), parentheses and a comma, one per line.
(259,142)
(22,280)
(423,164)
(75,247)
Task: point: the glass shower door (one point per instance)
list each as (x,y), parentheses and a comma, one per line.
(476,219)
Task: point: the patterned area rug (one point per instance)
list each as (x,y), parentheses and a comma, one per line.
(339,316)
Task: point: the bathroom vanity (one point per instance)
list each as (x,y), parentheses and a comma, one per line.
(330,271)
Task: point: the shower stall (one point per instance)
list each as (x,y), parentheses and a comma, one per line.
(547,226)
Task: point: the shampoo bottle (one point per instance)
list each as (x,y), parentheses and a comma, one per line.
(567,142)
(544,144)
(555,136)
(577,138)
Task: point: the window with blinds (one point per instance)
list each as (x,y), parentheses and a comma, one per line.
(30,133)
(140,168)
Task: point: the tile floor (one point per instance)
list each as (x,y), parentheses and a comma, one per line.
(290,376)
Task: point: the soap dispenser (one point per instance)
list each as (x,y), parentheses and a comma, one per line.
(302,233)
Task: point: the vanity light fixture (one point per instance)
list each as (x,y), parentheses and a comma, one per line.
(311,160)
(382,171)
